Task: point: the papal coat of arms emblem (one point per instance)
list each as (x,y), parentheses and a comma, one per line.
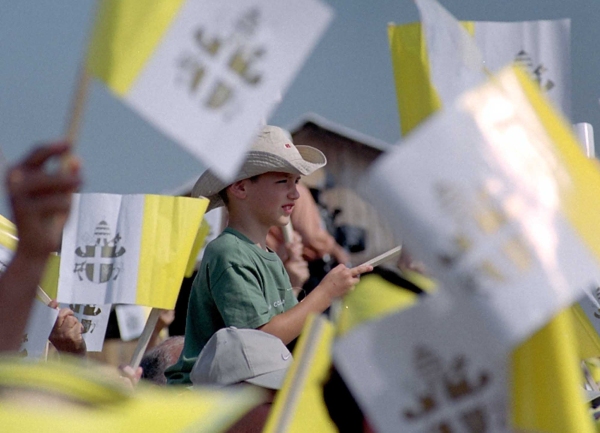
(99,266)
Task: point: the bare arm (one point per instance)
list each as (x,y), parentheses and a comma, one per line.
(338,282)
(40,203)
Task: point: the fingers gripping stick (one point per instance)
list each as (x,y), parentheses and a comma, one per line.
(336,306)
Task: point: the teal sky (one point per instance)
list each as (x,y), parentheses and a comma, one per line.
(348,79)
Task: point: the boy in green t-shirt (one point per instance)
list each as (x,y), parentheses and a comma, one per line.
(240,282)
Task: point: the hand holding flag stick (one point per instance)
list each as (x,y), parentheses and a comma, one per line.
(336,306)
(288,232)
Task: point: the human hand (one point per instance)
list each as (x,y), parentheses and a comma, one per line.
(165,318)
(340,280)
(41,200)
(297,271)
(295,265)
(67,333)
(130,376)
(340,254)
(294,248)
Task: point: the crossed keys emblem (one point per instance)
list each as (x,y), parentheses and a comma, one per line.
(523,58)
(449,384)
(98,265)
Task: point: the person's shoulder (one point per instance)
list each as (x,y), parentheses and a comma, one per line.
(223,243)
(226,248)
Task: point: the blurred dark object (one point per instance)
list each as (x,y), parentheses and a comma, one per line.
(352,238)
(177,327)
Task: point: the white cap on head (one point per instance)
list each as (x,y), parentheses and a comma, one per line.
(242,355)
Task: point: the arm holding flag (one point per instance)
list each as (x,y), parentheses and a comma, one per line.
(40,203)
(336,283)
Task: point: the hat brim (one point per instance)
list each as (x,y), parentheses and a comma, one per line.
(257,162)
(271,380)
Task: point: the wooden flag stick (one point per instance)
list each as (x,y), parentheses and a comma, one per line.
(43,296)
(145,338)
(78,105)
(382,258)
(78,102)
(336,306)
(288,232)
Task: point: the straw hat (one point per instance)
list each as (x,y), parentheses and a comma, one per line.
(272,151)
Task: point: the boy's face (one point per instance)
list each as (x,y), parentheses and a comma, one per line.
(272,196)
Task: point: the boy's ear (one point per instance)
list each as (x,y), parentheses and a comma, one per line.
(238,189)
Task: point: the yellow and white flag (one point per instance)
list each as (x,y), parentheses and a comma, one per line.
(299,405)
(130,249)
(95,400)
(205,73)
(508,217)
(8,242)
(435,367)
(438,59)
(586,315)
(550,406)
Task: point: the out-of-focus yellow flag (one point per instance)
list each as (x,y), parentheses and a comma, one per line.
(8,245)
(8,240)
(547,392)
(204,74)
(299,406)
(588,340)
(122,25)
(541,47)
(373,297)
(203,231)
(49,282)
(417,99)
(69,396)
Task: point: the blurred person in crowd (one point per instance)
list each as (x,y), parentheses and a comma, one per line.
(158,358)
(40,200)
(290,254)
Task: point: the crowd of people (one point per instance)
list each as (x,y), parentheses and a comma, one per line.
(244,315)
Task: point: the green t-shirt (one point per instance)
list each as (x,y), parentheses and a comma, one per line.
(238,284)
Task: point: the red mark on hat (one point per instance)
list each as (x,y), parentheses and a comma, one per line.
(288,146)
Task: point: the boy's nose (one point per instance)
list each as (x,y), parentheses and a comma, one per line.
(294,194)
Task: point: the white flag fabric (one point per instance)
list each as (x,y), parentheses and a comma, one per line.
(585,133)
(497,219)
(130,249)
(131,320)
(591,308)
(439,58)
(214,74)
(542,48)
(434,367)
(460,61)
(39,326)
(456,62)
